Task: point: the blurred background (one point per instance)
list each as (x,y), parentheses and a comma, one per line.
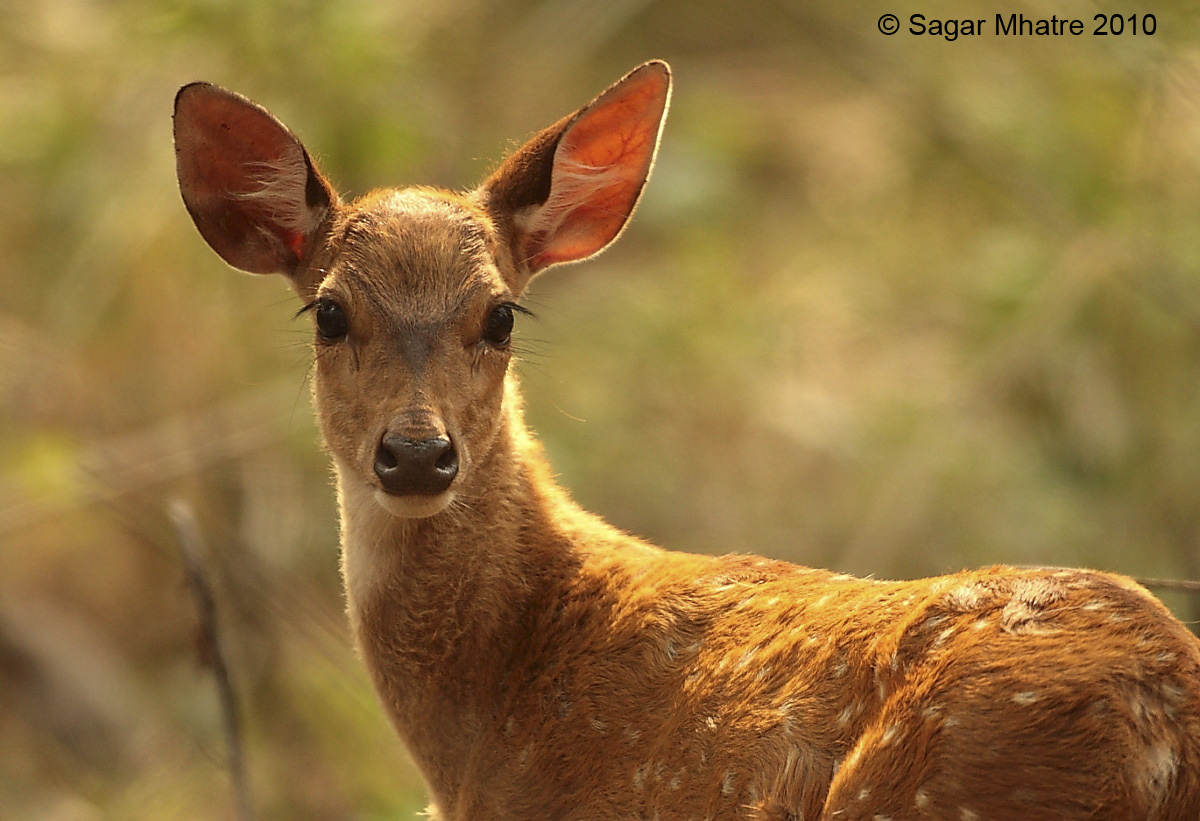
(891,305)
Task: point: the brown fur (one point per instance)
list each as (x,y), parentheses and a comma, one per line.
(541,665)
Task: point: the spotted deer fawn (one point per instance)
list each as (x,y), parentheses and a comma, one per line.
(538,663)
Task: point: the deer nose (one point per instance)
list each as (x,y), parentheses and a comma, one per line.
(408,467)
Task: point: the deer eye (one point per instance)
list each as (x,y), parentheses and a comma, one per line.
(497,331)
(331,320)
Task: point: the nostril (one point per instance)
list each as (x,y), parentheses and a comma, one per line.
(448,461)
(385,457)
(421,467)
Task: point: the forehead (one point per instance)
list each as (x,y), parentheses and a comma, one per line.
(416,247)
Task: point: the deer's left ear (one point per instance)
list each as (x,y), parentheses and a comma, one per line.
(568,192)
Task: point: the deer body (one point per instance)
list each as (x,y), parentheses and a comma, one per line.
(540,664)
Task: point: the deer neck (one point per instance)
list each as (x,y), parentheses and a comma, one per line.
(437,604)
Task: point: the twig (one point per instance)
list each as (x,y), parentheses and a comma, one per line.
(192,550)
(1185,585)
(1169,584)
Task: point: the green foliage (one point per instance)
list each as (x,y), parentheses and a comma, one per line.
(893,305)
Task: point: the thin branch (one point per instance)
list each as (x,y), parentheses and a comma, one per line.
(1169,584)
(1185,585)
(191,548)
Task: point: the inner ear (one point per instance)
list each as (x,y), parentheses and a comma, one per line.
(568,192)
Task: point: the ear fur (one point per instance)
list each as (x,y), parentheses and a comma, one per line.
(568,192)
(253,191)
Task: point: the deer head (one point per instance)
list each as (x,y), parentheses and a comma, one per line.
(414,291)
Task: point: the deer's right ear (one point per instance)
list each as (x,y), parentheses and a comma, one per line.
(251,188)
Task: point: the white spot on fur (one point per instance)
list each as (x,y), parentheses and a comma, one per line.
(671,651)
(747,658)
(968,815)
(845,715)
(1158,771)
(727,784)
(1172,693)
(889,735)
(922,799)
(639,776)
(964,598)
(932,622)
(942,636)
(937,586)
(1139,708)
(864,793)
(1031,602)
(1025,698)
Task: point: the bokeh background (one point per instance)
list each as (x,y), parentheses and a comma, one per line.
(891,305)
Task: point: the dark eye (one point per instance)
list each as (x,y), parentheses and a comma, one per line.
(331,320)
(497,332)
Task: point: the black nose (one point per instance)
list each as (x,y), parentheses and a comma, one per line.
(415,468)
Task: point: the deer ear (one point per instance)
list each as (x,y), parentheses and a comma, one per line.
(568,192)
(251,188)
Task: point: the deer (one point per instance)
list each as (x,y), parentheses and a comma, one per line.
(541,665)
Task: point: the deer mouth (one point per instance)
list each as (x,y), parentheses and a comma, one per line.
(413,506)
